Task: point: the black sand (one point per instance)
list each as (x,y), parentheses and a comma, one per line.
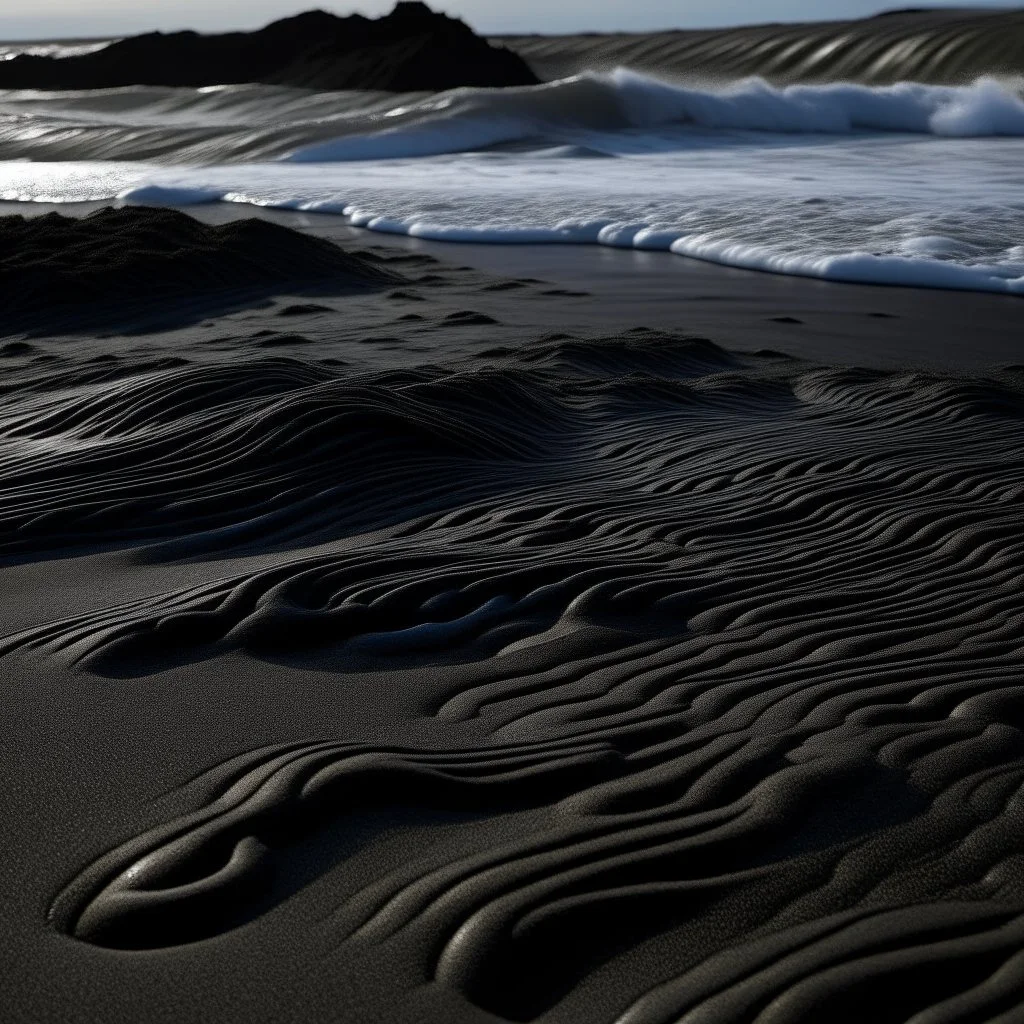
(71,273)
(435,667)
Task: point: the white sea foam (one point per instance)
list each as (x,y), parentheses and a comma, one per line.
(908,184)
(170,195)
(8,51)
(625,101)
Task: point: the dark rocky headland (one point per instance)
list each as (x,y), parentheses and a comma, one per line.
(412,48)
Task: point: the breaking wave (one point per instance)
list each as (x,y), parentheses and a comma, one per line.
(618,112)
(906,184)
(625,101)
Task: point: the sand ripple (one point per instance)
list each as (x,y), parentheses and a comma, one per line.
(739,640)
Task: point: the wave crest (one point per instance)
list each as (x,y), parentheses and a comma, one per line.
(947,47)
(625,101)
(616,113)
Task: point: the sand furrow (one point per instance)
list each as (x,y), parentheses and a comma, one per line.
(721,659)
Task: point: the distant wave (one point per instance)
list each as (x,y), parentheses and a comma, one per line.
(198,126)
(621,111)
(626,101)
(52,48)
(937,46)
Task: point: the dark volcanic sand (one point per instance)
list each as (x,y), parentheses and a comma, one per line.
(69,273)
(432,667)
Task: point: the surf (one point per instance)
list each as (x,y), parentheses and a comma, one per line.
(621,111)
(907,184)
(628,102)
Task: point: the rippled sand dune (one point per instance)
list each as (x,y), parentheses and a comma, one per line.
(114,266)
(427,667)
(945,47)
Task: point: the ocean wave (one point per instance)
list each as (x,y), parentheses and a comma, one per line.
(54,48)
(605,114)
(908,184)
(208,125)
(625,101)
(946,47)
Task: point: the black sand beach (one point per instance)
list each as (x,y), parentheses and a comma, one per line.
(507,644)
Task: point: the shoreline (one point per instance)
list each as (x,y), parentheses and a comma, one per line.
(879,326)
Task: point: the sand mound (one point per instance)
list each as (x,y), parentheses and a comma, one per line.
(410,49)
(715,668)
(116,262)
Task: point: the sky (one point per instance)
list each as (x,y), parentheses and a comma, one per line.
(75,18)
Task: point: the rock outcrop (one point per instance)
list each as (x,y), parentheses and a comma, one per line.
(412,48)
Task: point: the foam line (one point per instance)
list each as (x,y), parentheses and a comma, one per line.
(919,271)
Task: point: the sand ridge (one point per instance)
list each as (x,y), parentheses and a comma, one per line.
(618,676)
(63,273)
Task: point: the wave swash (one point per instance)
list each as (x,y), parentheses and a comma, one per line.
(903,184)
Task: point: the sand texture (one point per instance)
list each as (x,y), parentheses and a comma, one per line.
(941,46)
(114,264)
(380,657)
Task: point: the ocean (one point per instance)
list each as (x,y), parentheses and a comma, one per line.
(905,184)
